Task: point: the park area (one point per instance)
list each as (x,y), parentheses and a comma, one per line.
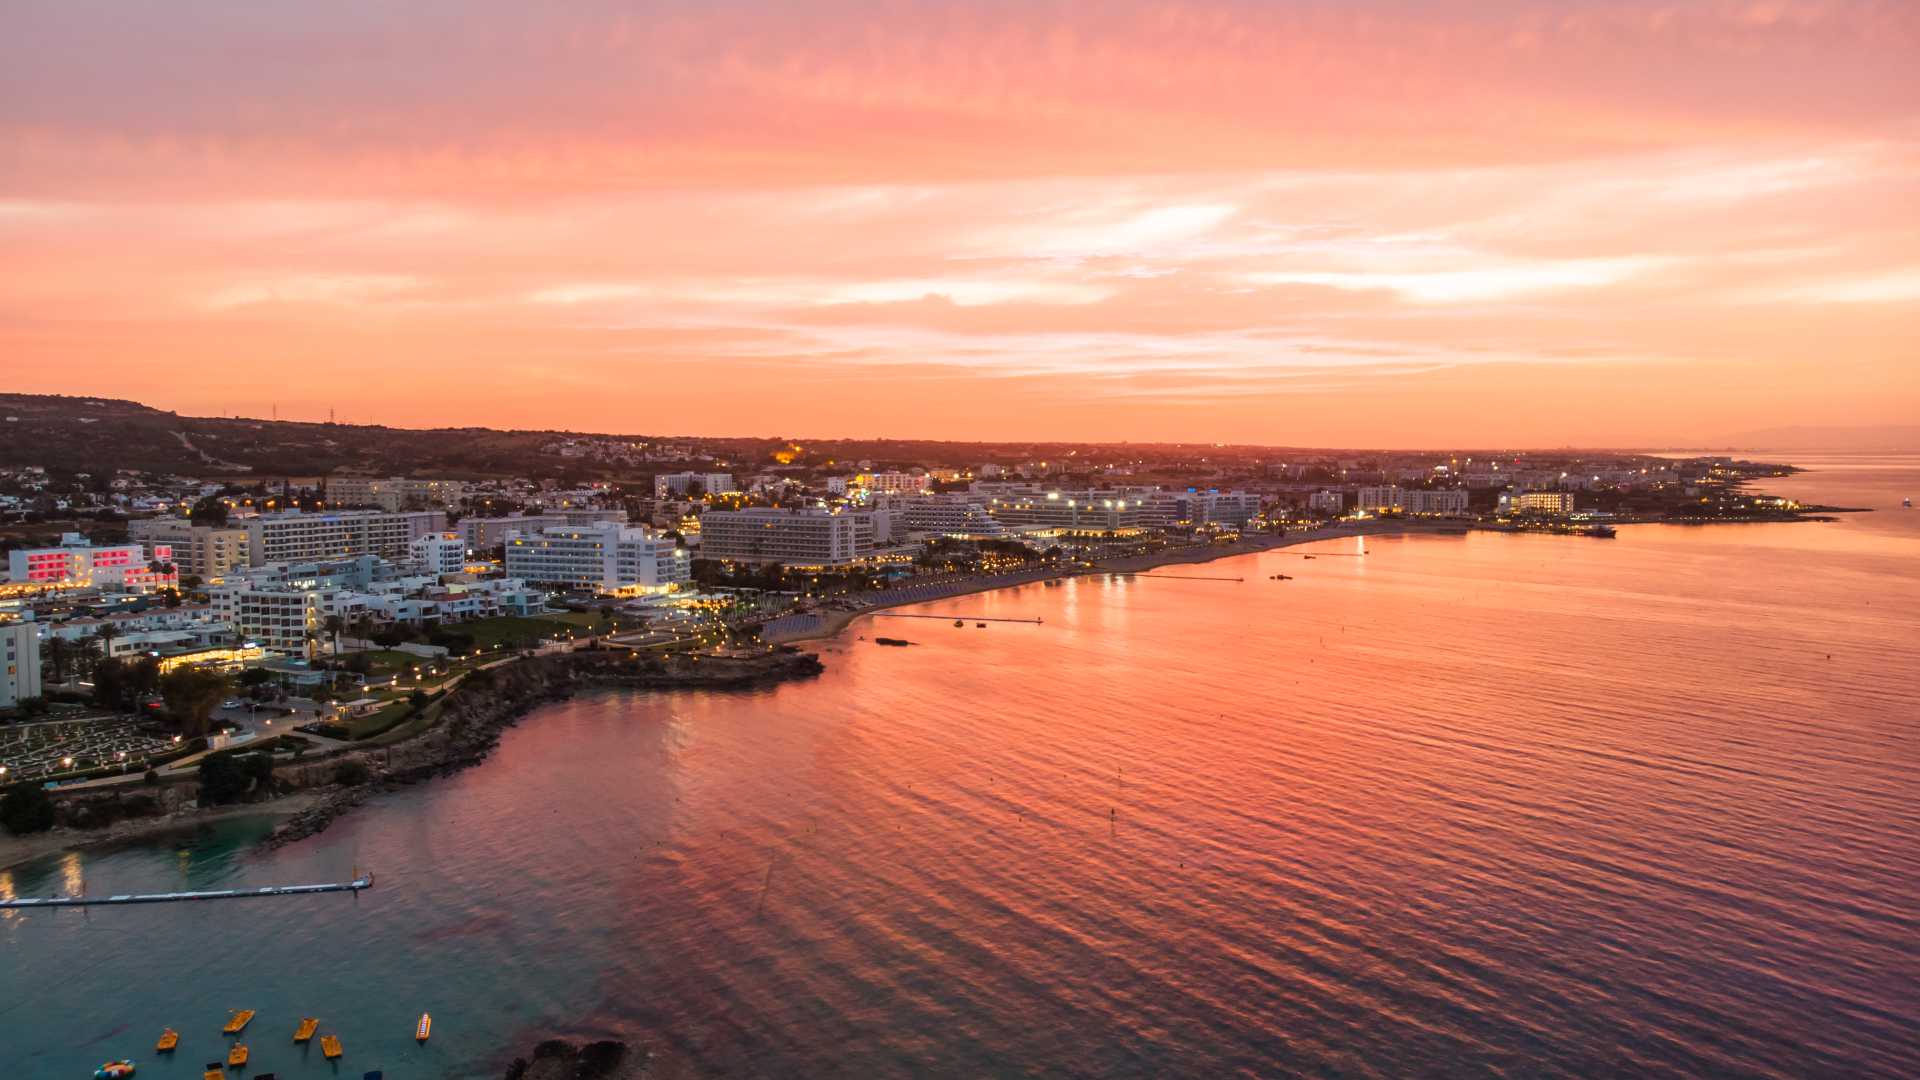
(46,748)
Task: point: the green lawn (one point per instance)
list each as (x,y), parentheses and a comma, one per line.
(379,720)
(513,630)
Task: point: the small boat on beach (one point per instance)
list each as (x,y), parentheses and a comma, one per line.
(168,1040)
(423,1028)
(114,1070)
(308,1025)
(330,1046)
(238,1021)
(237,1056)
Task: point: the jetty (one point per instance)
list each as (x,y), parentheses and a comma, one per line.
(963,618)
(364,881)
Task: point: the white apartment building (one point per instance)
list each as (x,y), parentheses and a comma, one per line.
(668,485)
(77,564)
(439,553)
(1327,502)
(203,551)
(1445,502)
(1382,498)
(302,537)
(394,493)
(275,617)
(811,537)
(608,557)
(19,663)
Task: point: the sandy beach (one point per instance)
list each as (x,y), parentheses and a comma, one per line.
(834,621)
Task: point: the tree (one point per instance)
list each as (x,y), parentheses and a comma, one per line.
(59,650)
(191,695)
(105,636)
(231,775)
(26,808)
(110,685)
(335,624)
(210,510)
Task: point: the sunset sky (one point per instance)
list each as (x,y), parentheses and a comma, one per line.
(1356,222)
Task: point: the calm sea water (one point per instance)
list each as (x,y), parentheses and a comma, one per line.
(1492,805)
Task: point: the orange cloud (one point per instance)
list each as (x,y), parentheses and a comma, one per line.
(1372,221)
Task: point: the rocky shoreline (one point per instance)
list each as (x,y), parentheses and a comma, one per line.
(557,1059)
(313,794)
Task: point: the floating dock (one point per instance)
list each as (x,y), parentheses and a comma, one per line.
(365,881)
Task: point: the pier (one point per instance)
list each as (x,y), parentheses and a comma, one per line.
(969,618)
(364,881)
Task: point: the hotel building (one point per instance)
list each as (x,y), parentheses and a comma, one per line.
(394,493)
(1327,502)
(19,663)
(1444,502)
(1073,511)
(812,537)
(1551,503)
(301,537)
(1382,499)
(204,551)
(608,558)
(77,564)
(667,485)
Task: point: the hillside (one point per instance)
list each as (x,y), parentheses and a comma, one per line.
(100,434)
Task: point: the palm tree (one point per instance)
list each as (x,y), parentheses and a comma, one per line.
(59,651)
(334,625)
(106,634)
(312,638)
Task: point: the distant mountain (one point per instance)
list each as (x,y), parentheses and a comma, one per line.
(1876,437)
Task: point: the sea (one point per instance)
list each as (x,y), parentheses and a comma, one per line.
(1437,806)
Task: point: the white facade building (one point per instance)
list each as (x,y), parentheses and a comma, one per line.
(1443,502)
(439,553)
(1075,511)
(1551,503)
(812,537)
(667,485)
(1382,498)
(1327,502)
(76,563)
(608,557)
(204,551)
(394,493)
(301,537)
(894,483)
(19,663)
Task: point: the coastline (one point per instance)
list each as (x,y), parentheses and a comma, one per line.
(16,850)
(834,622)
(469,729)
